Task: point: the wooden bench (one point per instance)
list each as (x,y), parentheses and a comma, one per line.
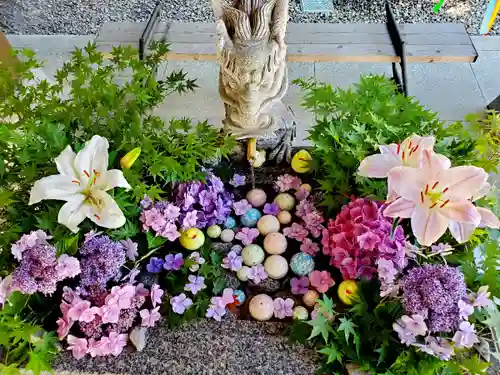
(375,43)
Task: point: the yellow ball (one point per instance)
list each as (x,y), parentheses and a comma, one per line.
(347,292)
(285,201)
(276,267)
(192,239)
(284,217)
(301,161)
(300,313)
(268,224)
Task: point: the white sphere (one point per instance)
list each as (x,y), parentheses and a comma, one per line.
(243,273)
(268,224)
(256,197)
(275,243)
(276,267)
(285,201)
(227,235)
(261,307)
(253,255)
(284,217)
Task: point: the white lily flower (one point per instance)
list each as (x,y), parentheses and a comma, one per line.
(83,181)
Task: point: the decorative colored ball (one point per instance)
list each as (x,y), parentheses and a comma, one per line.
(348,290)
(268,224)
(275,243)
(230,223)
(284,217)
(256,197)
(243,273)
(261,307)
(276,267)
(285,201)
(300,313)
(192,239)
(301,161)
(214,231)
(240,297)
(306,187)
(302,264)
(227,235)
(250,218)
(252,255)
(310,298)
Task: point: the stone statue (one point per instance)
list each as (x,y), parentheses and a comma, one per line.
(253,76)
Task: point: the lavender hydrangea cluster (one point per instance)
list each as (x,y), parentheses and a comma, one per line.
(210,200)
(101,260)
(434,291)
(39,269)
(196,204)
(359,236)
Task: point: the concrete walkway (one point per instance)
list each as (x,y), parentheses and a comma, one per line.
(451,89)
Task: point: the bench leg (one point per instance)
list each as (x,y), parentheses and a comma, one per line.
(400,50)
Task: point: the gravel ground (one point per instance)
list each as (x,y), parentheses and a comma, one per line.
(86,16)
(204,348)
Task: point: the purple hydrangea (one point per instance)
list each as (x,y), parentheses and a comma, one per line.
(101,260)
(283,307)
(359,236)
(299,285)
(271,209)
(247,235)
(155,265)
(238,180)
(241,207)
(39,269)
(173,262)
(433,291)
(196,284)
(232,262)
(211,201)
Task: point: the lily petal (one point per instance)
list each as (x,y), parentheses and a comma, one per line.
(377,166)
(109,214)
(462,212)
(57,187)
(488,218)
(433,163)
(463,182)
(65,162)
(406,182)
(73,212)
(423,142)
(111,179)
(400,208)
(428,225)
(482,192)
(461,231)
(93,157)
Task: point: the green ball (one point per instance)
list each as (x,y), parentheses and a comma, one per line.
(214,231)
(253,255)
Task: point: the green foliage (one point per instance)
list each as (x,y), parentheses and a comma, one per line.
(113,98)
(24,343)
(350,124)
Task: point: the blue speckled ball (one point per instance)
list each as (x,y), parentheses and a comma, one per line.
(230,223)
(250,218)
(240,297)
(302,264)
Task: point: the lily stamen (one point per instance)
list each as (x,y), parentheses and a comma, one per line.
(422,196)
(445,203)
(436,184)
(434,205)
(86,173)
(76,182)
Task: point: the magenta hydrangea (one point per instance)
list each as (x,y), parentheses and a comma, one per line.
(434,292)
(359,236)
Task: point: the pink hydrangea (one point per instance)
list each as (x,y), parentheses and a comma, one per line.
(296,231)
(247,235)
(309,247)
(287,182)
(321,280)
(359,236)
(77,346)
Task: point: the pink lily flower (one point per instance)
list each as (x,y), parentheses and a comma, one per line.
(405,154)
(462,231)
(434,196)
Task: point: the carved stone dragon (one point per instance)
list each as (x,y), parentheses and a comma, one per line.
(253,77)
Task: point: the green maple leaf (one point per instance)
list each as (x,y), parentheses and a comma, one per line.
(347,326)
(332,352)
(326,305)
(320,326)
(474,365)
(37,363)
